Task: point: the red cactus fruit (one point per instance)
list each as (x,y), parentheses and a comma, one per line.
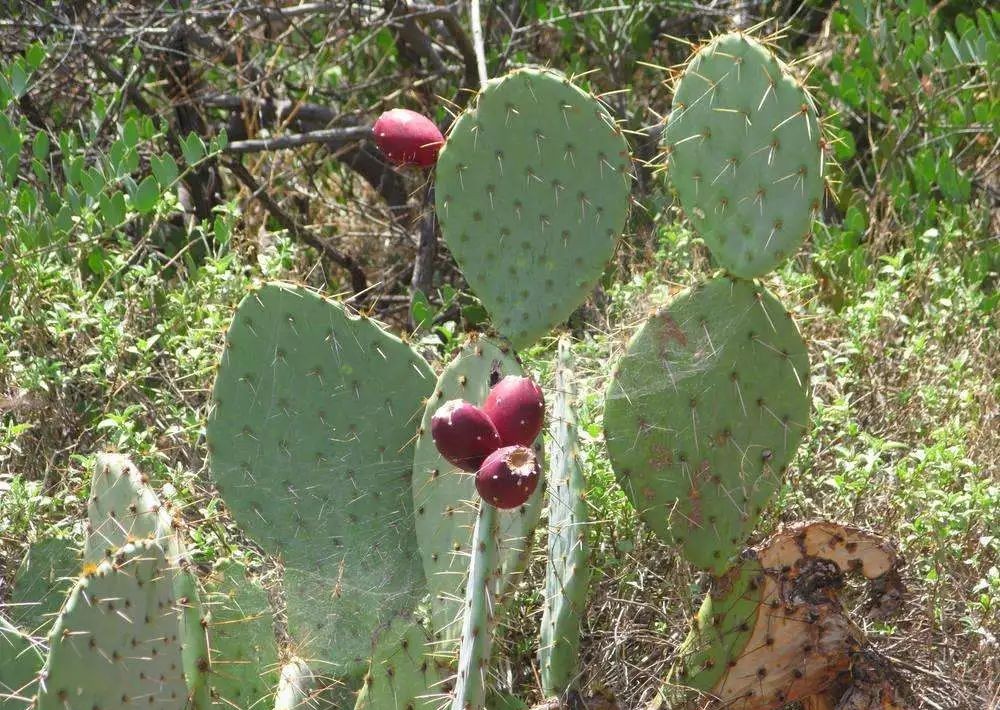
(516,407)
(463,434)
(407,138)
(508,477)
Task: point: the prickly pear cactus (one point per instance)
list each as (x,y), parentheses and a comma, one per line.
(743,144)
(704,413)
(123,508)
(445,496)
(243,646)
(21,657)
(115,643)
(531,193)
(479,617)
(404,671)
(313,413)
(567,574)
(41,583)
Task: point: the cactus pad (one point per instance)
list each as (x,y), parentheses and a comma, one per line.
(123,508)
(744,152)
(20,660)
(244,650)
(480,612)
(444,496)
(532,191)
(719,633)
(704,413)
(308,440)
(567,574)
(41,583)
(115,643)
(404,672)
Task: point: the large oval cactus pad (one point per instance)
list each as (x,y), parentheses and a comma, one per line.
(308,439)
(445,497)
(744,148)
(532,191)
(705,411)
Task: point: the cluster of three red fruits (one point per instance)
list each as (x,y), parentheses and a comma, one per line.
(494,441)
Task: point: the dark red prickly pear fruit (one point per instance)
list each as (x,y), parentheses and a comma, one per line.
(508,477)
(463,434)
(516,407)
(407,138)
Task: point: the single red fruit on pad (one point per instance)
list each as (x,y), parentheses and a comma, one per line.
(508,477)
(408,138)
(517,408)
(463,434)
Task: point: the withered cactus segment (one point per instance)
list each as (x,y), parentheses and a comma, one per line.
(801,643)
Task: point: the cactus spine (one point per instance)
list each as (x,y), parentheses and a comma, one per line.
(567,573)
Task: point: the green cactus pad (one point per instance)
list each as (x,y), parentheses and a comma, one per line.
(115,643)
(20,660)
(532,191)
(744,152)
(404,671)
(704,413)
(241,631)
(567,574)
(309,442)
(123,508)
(479,617)
(719,634)
(445,497)
(41,583)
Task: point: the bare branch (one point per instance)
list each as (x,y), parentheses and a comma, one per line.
(359,282)
(330,136)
